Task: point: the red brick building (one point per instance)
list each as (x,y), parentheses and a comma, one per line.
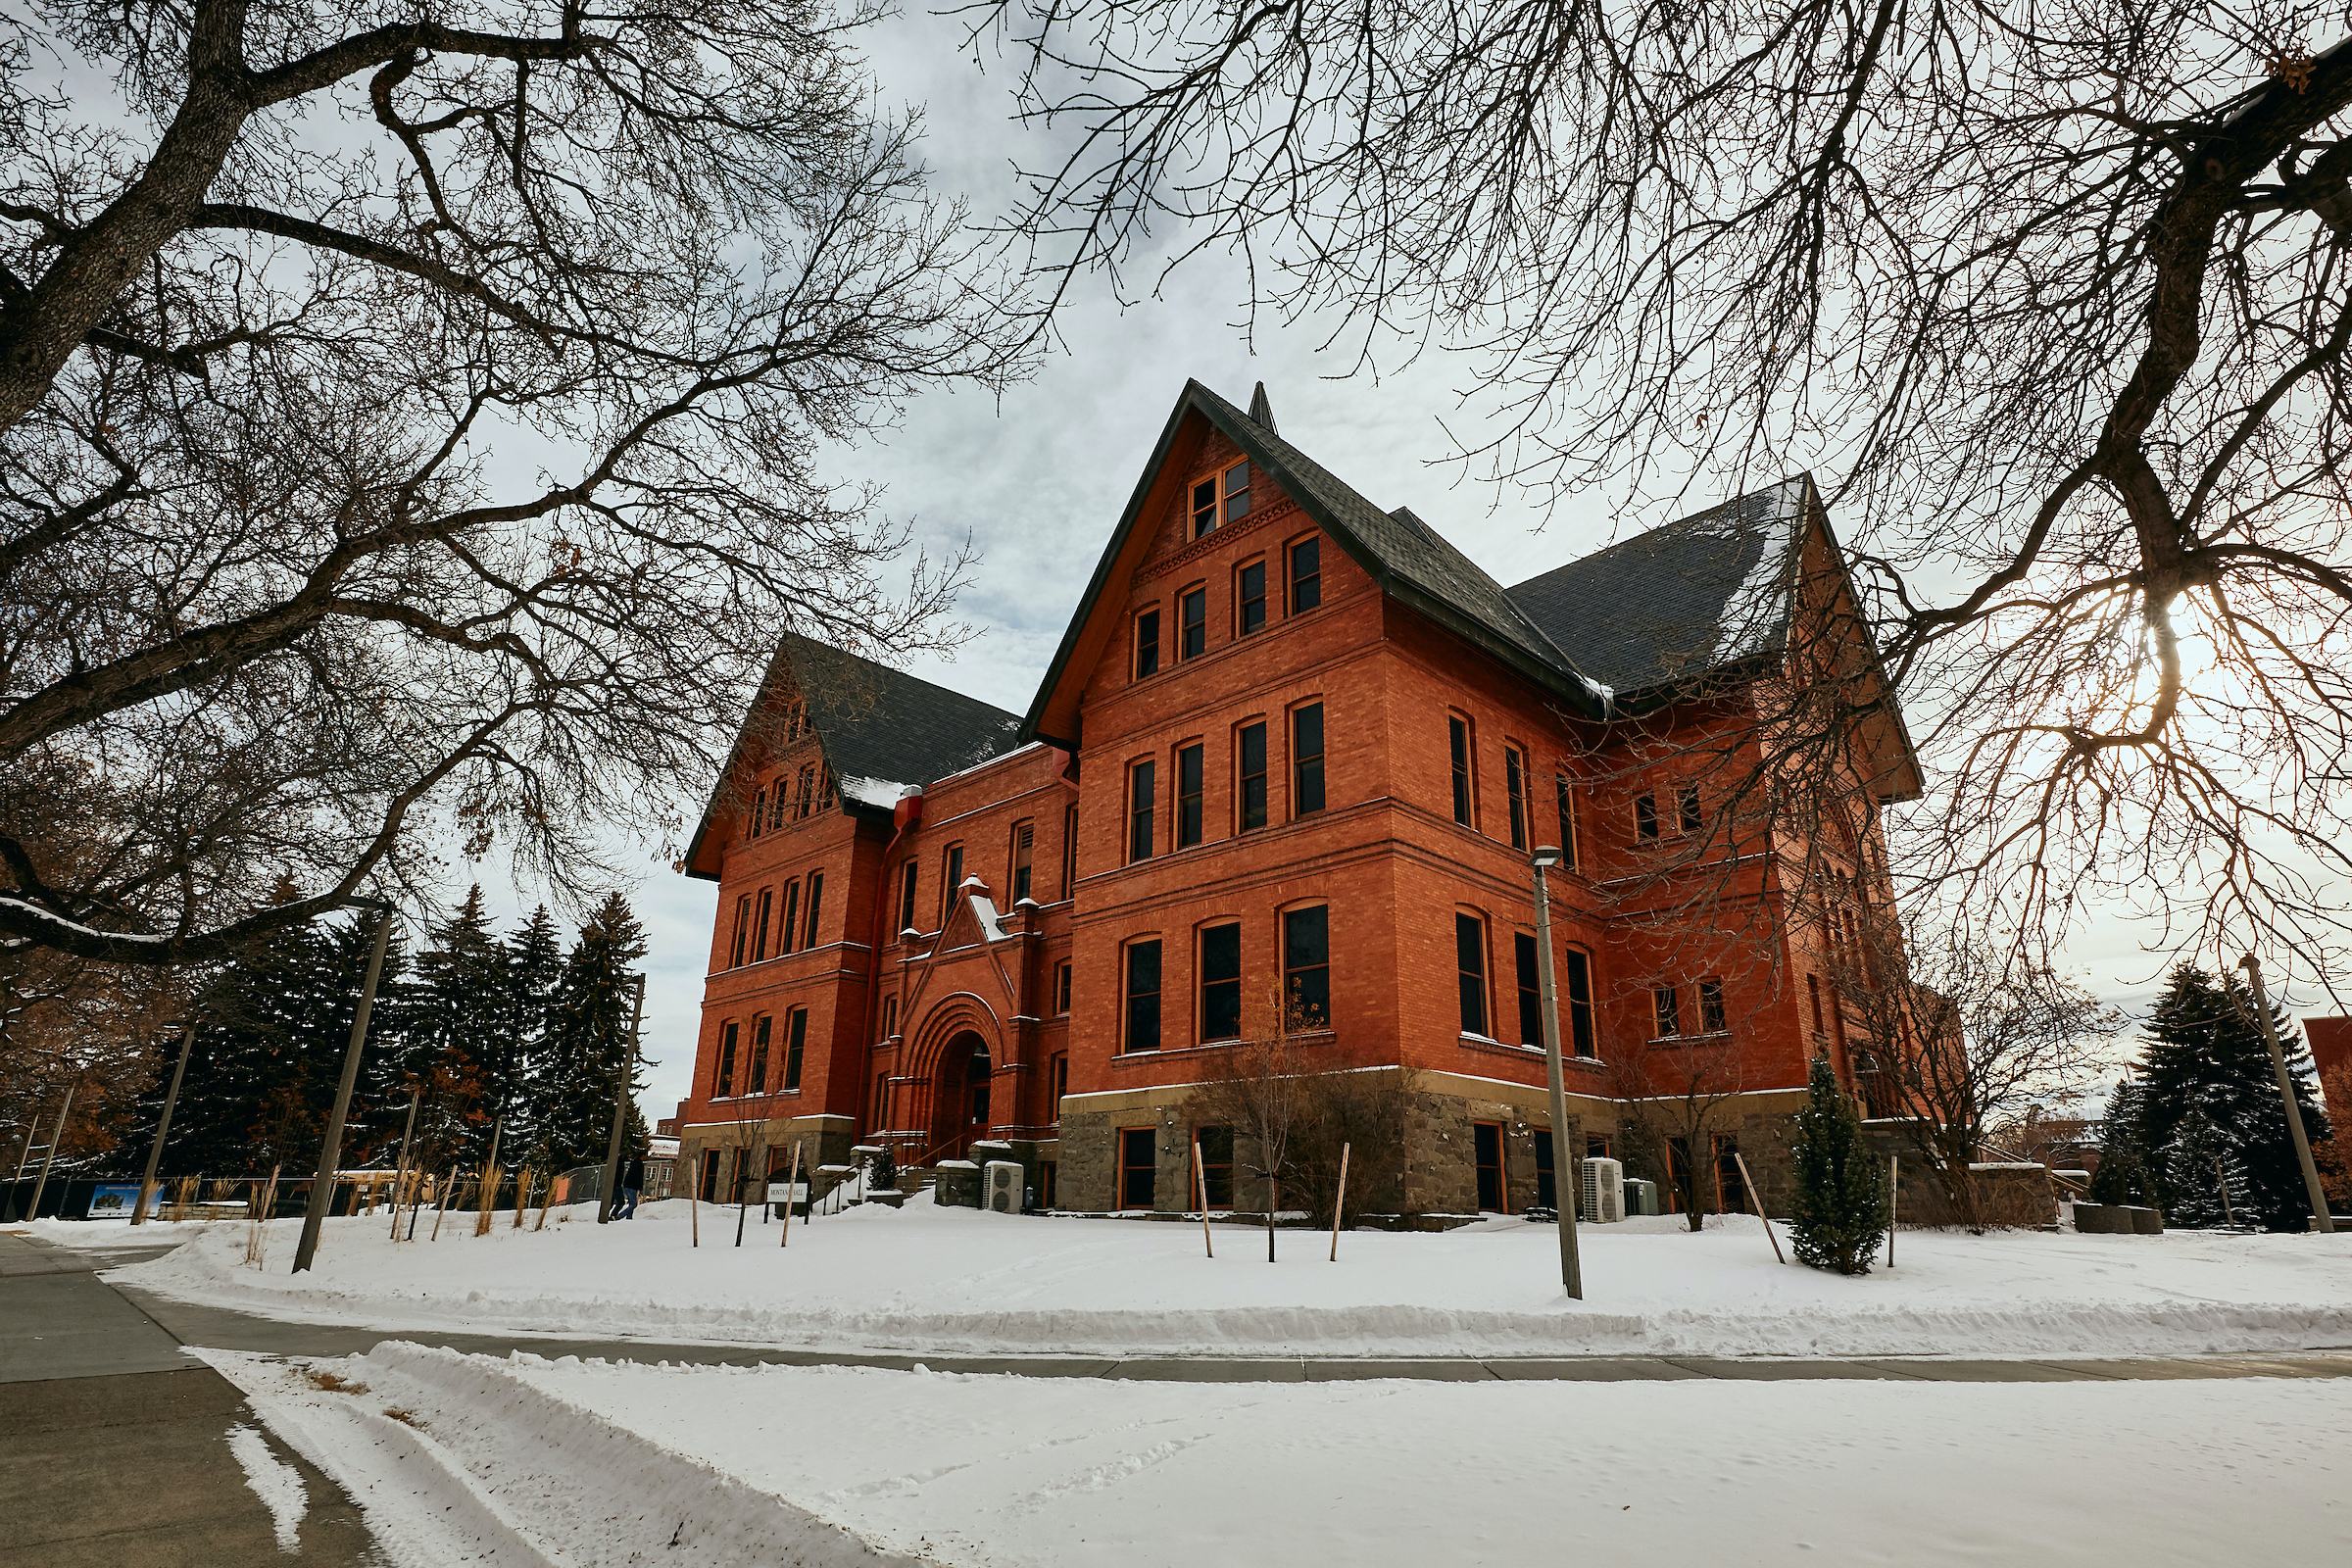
(1294,745)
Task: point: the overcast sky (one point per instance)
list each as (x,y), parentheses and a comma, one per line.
(1036,482)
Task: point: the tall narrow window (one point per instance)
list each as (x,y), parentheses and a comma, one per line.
(1146,643)
(1306,759)
(890,1016)
(775,806)
(1142,785)
(758,1074)
(760,924)
(906,879)
(1514,779)
(1470,968)
(792,916)
(743,932)
(1249,799)
(1069,851)
(1457,742)
(805,801)
(1221,982)
(1058,1080)
(1572,852)
(1061,988)
(1192,623)
(796,1046)
(1712,1020)
(951,877)
(1645,818)
(1190,767)
(816,899)
(722,1083)
(1205,506)
(1577,971)
(753,822)
(1666,1011)
(1813,990)
(1143,996)
(1688,815)
(1138,1166)
(1531,989)
(1249,598)
(1307,575)
(1024,845)
(826,796)
(1306,968)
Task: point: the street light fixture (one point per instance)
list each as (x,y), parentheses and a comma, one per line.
(1563,1175)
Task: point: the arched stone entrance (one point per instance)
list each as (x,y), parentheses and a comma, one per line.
(959,1107)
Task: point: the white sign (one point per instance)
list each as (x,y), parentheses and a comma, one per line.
(788,1192)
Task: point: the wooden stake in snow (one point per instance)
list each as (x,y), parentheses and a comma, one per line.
(523,1194)
(547,1196)
(791,1184)
(1201,1190)
(1757,1203)
(1894,1167)
(487,1199)
(400,1176)
(449,1189)
(1340,1203)
(694,1206)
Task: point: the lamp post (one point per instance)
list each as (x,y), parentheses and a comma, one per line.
(2321,1220)
(155,1155)
(1572,1274)
(330,1147)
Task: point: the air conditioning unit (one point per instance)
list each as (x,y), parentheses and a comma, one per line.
(1001,1187)
(1603,1192)
(1641,1195)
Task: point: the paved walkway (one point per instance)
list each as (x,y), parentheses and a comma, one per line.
(231,1330)
(117,1441)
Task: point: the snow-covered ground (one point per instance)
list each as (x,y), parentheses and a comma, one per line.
(936,1280)
(528,1461)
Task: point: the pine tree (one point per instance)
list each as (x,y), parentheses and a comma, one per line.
(587,1041)
(534,962)
(2123,1176)
(2206,1176)
(1841,1212)
(454,1016)
(2206,1053)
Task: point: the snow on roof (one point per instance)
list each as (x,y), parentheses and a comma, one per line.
(881,792)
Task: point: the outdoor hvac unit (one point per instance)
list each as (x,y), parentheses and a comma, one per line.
(1641,1195)
(1604,1191)
(1002,1187)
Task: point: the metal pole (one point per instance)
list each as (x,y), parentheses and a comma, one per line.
(621,1111)
(48,1158)
(1572,1274)
(400,1172)
(2321,1220)
(330,1147)
(155,1155)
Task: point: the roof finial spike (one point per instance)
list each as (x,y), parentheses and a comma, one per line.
(1261,413)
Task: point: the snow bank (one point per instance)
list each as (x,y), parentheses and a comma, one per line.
(927,1278)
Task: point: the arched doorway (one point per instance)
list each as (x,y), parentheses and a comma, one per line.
(959,1108)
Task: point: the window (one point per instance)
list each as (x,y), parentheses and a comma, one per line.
(826,796)
(881,1101)
(1061,988)
(1306,966)
(1306,576)
(1140,783)
(758,818)
(1470,965)
(816,897)
(1487,1141)
(758,1075)
(1192,623)
(1221,983)
(708,1185)
(1813,990)
(1024,844)
(1250,801)
(1645,818)
(1237,491)
(1531,989)
(1547,1189)
(1146,643)
(723,1082)
(1216,1165)
(1069,851)
(1579,974)
(1143,996)
(951,877)
(1205,506)
(775,806)
(1249,598)
(796,1044)
(1666,1011)
(1457,740)
(1514,779)
(805,801)
(1189,765)
(1571,851)
(1688,816)
(1306,759)
(1730,1188)
(1138,1165)
(906,879)
(1711,1019)
(1058,1081)
(890,1016)
(792,917)
(743,932)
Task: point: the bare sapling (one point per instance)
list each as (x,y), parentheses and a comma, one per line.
(1338,1202)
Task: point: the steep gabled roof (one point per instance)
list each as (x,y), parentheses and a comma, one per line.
(1711,590)
(881,729)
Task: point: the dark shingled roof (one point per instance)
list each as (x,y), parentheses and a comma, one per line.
(882,723)
(1711,590)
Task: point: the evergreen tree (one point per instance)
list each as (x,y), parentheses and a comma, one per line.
(2206,1053)
(574,1082)
(534,962)
(2206,1176)
(1841,1212)
(2123,1176)
(456,1013)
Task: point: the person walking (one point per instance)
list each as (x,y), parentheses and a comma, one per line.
(632,1182)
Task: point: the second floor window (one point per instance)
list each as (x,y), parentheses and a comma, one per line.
(1712,1020)
(1024,844)
(1249,803)
(1514,779)
(906,879)
(1192,623)
(1470,970)
(1457,742)
(1143,996)
(805,801)
(760,925)
(1249,598)
(1146,643)
(1061,988)
(722,1081)
(1142,783)
(1306,576)
(1531,989)
(1576,969)
(758,1075)
(1571,854)
(792,917)
(1190,769)
(743,932)
(1666,1011)
(1221,983)
(1688,816)
(795,1044)
(1069,851)
(816,899)
(1306,968)
(1306,759)
(1645,818)
(951,877)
